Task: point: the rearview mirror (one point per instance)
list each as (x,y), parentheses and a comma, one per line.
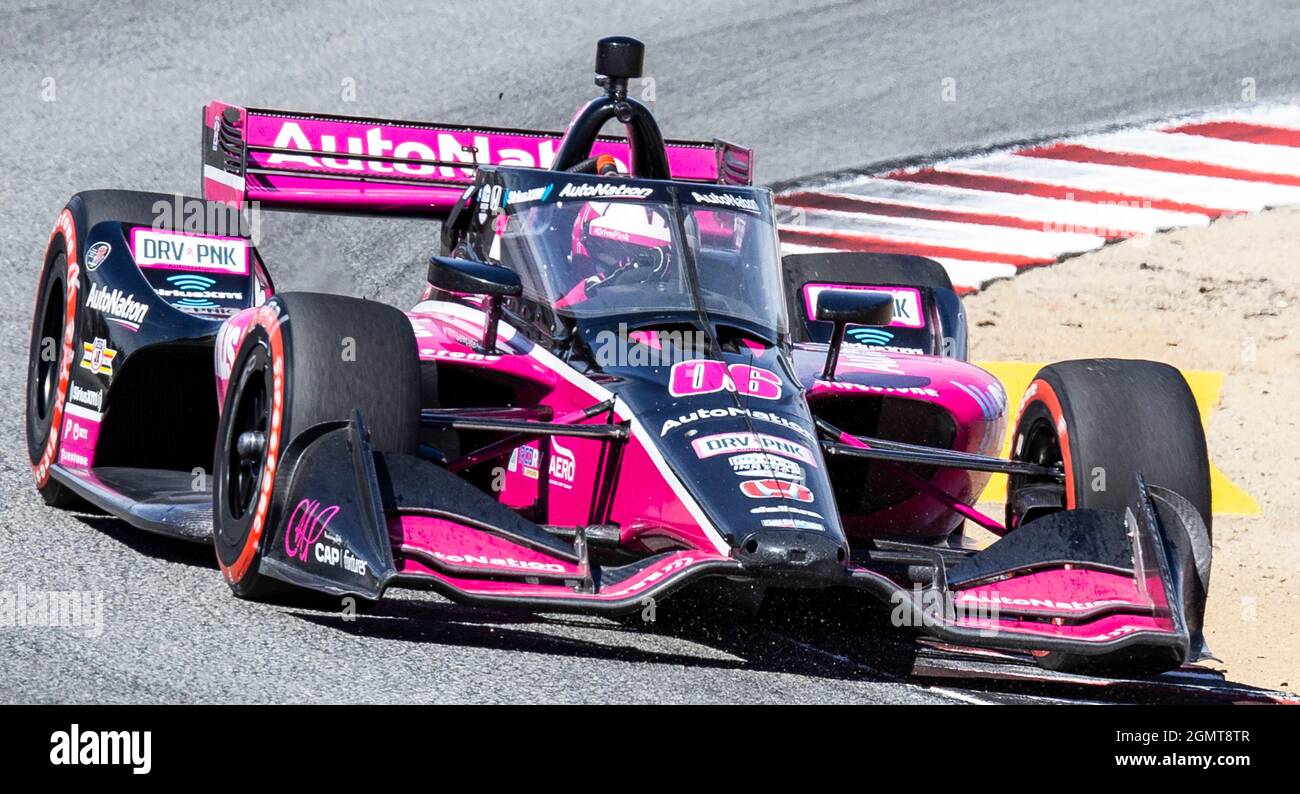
(850,307)
(467,277)
(855,307)
(473,278)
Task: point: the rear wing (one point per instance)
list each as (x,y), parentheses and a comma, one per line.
(325,163)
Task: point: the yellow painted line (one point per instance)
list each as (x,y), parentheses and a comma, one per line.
(1228,497)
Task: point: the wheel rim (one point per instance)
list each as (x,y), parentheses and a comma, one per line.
(251,419)
(1040,445)
(45,373)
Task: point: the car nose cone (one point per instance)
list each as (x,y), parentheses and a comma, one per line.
(792,553)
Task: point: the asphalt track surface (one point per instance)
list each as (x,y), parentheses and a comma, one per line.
(813,87)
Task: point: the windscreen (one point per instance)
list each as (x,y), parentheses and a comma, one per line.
(623,248)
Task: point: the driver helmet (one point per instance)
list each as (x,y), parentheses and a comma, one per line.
(609,236)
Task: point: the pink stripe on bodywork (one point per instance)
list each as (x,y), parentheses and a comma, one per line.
(671,568)
(649,505)
(454,548)
(1063,592)
(1103,629)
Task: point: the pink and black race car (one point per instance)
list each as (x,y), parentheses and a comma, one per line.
(614,387)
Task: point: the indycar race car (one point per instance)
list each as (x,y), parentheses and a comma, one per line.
(613,388)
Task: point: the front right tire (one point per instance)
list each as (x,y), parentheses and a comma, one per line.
(1104,421)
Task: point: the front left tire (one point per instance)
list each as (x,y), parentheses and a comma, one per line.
(304,359)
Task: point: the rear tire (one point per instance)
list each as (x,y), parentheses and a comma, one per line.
(1104,421)
(337,355)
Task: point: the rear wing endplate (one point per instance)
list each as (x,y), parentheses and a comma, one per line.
(326,163)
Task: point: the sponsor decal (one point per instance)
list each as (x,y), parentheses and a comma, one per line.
(1030,393)
(97,357)
(68,457)
(119,307)
(481,561)
(761,464)
(767,509)
(726,200)
(562,468)
(776,489)
(706,375)
(727,413)
(666,569)
(433,352)
(992,403)
(871,360)
(725,443)
(878,338)
(171,251)
(1042,603)
(308,533)
(306,525)
(907,302)
(91,398)
(792,523)
(102,748)
(259,291)
(870,336)
(339,556)
(96,254)
(450,148)
(527,458)
(194,293)
(604,190)
(563,465)
(489,202)
(1113,633)
(228,338)
(79,435)
(63,227)
(911,391)
(513,197)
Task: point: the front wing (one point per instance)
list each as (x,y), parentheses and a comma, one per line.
(355,522)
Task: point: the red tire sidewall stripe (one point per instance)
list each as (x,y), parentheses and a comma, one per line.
(67,228)
(267,319)
(1042,392)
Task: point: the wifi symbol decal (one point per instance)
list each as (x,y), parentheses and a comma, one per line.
(870,336)
(192,282)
